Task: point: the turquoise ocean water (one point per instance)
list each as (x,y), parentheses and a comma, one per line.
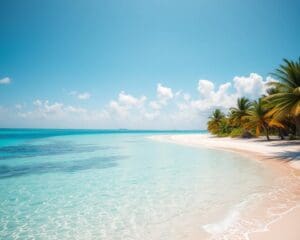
(119,184)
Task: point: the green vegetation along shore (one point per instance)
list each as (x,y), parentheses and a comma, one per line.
(275,113)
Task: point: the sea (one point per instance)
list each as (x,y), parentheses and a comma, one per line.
(123,185)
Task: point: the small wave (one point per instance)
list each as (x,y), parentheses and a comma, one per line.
(218,229)
(224,225)
(237,224)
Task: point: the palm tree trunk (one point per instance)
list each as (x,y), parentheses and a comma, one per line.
(267,133)
(297,121)
(280,134)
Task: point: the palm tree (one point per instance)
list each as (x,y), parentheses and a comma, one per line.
(271,91)
(259,120)
(237,114)
(224,127)
(286,102)
(215,121)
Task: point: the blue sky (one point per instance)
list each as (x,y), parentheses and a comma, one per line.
(87,55)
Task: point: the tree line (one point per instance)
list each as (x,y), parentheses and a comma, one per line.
(275,113)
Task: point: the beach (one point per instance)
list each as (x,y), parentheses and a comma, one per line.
(282,156)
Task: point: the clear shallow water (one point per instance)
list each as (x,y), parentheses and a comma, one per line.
(112,185)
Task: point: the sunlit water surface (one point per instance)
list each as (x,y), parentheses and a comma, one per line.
(95,185)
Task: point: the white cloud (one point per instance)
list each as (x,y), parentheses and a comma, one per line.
(72,109)
(127,108)
(252,86)
(43,113)
(151,115)
(155,105)
(205,88)
(45,109)
(164,93)
(37,102)
(131,101)
(5,80)
(165,111)
(209,98)
(81,96)
(116,108)
(186,96)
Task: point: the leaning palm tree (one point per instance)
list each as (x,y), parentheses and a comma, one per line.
(237,114)
(258,119)
(286,102)
(215,121)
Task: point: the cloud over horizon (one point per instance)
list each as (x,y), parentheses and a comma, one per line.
(168,110)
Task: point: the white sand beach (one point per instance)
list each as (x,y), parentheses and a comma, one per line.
(285,150)
(281,154)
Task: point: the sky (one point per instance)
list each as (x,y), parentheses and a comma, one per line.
(137,64)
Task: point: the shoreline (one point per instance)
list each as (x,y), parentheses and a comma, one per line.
(258,147)
(282,155)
